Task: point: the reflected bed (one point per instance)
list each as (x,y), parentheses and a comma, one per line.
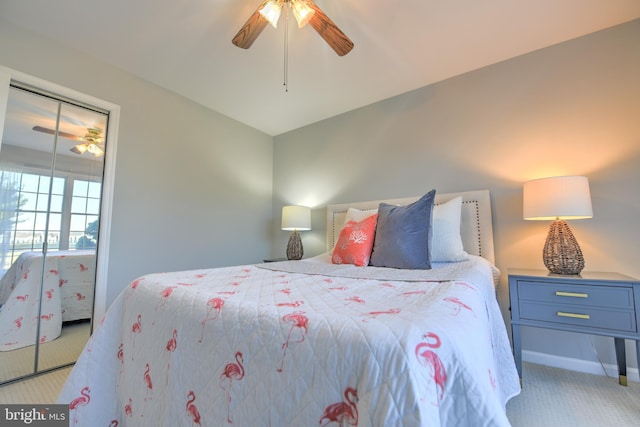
(67,295)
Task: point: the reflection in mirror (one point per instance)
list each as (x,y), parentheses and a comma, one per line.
(51,167)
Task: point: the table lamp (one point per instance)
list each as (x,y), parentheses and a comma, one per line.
(295,218)
(559,199)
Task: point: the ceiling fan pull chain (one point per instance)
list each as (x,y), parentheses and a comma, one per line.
(286,49)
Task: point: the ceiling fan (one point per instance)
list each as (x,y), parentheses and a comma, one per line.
(92,142)
(305,11)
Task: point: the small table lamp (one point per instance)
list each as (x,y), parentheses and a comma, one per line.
(558,199)
(295,218)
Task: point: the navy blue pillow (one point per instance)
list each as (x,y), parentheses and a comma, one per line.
(403,235)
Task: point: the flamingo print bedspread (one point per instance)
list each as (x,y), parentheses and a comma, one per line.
(258,345)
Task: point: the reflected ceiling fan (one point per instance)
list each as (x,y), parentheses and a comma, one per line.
(92,142)
(305,11)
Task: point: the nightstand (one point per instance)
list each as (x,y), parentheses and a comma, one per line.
(274,259)
(591,302)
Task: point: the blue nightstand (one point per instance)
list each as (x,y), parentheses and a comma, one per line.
(591,302)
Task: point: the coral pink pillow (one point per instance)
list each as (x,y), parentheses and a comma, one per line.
(355,242)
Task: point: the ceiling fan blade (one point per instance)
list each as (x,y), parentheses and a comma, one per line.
(250,30)
(62,134)
(329,31)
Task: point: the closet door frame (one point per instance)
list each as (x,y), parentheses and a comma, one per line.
(102,264)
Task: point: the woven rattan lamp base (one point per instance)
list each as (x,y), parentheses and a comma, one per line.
(561,253)
(294,247)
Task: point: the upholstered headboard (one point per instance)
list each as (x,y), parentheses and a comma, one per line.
(476,227)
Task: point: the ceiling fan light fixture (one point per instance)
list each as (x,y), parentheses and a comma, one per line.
(92,148)
(305,12)
(302,12)
(91,142)
(271,12)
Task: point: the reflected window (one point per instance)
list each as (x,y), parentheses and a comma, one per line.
(26,199)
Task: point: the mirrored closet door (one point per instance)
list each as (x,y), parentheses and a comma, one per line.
(51,170)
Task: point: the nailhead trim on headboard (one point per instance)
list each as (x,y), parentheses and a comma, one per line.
(476,203)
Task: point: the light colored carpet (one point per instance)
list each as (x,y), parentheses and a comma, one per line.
(62,351)
(554,397)
(43,389)
(550,398)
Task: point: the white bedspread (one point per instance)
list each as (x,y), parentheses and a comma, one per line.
(257,346)
(67,294)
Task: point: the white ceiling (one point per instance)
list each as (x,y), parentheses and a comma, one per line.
(185,46)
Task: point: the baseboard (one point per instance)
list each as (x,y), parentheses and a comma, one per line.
(578,365)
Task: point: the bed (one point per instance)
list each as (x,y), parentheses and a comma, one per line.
(311,342)
(67,289)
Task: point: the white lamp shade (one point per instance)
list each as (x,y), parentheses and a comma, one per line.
(560,197)
(296,218)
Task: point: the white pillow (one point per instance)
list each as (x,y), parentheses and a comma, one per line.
(447,245)
(358,215)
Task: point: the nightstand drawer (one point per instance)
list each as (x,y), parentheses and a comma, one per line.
(619,297)
(590,317)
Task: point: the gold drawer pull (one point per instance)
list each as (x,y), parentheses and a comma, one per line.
(571,294)
(574,315)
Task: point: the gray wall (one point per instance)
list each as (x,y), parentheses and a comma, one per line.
(573,108)
(192,187)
